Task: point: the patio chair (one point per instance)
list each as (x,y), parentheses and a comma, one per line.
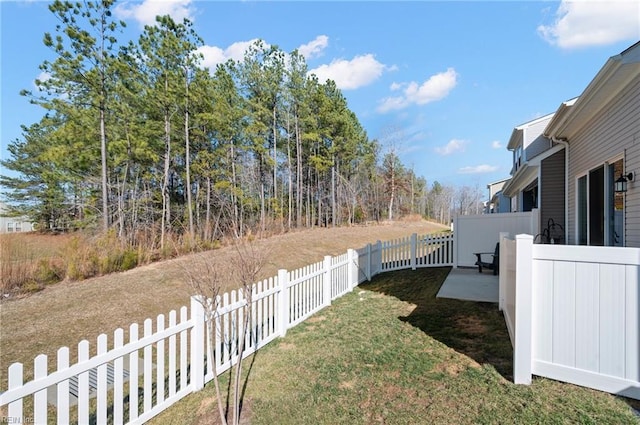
(494,264)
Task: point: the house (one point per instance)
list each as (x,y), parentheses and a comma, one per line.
(498,202)
(10,224)
(538,176)
(573,312)
(600,133)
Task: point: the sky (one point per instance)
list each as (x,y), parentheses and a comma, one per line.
(443,83)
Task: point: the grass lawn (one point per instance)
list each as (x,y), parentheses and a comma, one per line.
(390,352)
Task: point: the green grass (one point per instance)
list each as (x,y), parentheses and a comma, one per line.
(390,352)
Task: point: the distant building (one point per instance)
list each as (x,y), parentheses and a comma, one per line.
(498,202)
(13,224)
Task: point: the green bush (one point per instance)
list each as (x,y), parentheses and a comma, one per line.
(49,271)
(129,259)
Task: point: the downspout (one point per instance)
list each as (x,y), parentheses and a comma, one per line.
(565,143)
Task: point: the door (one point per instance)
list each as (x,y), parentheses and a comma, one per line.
(600,210)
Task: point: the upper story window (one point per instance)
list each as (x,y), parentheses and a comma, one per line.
(517,159)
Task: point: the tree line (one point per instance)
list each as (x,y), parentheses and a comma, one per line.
(139,138)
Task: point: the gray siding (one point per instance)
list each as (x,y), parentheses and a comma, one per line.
(613,132)
(534,131)
(537,146)
(534,143)
(552,190)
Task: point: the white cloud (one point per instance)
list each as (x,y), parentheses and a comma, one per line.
(350,74)
(593,23)
(437,87)
(454,145)
(314,48)
(145,13)
(478,169)
(42,77)
(213,55)
(496,144)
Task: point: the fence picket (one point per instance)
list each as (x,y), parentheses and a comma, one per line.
(101,387)
(40,397)
(183,350)
(15,373)
(118,379)
(83,384)
(160,362)
(172,355)
(134,399)
(147,378)
(63,386)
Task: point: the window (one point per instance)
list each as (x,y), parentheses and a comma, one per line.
(517,162)
(9,227)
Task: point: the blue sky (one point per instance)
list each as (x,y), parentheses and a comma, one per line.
(445,81)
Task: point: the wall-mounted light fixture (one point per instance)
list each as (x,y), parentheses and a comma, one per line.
(620,185)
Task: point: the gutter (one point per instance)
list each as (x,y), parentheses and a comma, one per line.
(565,143)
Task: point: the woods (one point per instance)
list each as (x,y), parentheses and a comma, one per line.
(139,139)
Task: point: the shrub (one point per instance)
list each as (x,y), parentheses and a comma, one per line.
(50,271)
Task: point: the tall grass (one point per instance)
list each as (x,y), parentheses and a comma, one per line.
(31,261)
(27,263)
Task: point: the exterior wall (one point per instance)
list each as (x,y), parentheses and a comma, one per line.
(614,131)
(552,191)
(504,204)
(14,224)
(537,146)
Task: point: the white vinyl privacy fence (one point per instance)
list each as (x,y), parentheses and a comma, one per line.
(138,375)
(479,233)
(573,313)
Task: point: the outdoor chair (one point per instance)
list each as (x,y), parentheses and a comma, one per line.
(494,264)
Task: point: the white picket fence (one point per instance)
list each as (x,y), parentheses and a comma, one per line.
(135,380)
(573,313)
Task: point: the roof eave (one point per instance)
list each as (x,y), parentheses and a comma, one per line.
(614,76)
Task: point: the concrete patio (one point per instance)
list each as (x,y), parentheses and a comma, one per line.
(469,285)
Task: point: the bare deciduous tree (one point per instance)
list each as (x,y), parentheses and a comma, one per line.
(206,279)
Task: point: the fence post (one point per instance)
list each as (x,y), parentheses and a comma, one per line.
(197,343)
(368,271)
(326,281)
(352,268)
(454,229)
(502,269)
(523,327)
(283,302)
(414,250)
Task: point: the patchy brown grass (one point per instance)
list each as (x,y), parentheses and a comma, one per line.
(65,313)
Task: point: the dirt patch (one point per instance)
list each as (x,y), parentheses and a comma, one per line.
(347,385)
(471,325)
(316,319)
(286,346)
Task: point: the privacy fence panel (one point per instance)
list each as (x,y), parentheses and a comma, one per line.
(480,233)
(581,306)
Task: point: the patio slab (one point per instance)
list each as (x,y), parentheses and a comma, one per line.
(469,285)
